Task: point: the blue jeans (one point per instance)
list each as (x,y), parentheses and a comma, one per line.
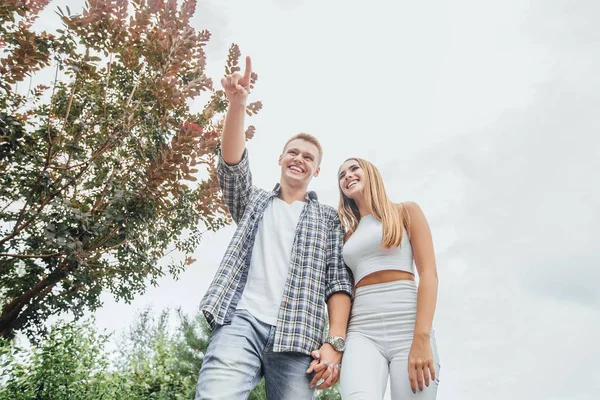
(240,354)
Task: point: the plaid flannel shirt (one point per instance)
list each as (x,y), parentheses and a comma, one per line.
(316,268)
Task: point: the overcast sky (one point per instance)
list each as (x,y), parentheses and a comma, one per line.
(487,115)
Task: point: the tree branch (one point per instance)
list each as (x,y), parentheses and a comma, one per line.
(104,147)
(8,204)
(18,229)
(107,81)
(68,112)
(31,255)
(48,282)
(103,193)
(46,165)
(115,246)
(104,239)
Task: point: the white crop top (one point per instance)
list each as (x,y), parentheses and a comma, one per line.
(363,252)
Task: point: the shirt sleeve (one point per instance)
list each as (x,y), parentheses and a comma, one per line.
(339,277)
(236,184)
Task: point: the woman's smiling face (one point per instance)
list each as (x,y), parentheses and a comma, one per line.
(351,179)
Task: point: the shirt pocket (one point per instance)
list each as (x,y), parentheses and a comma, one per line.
(315,234)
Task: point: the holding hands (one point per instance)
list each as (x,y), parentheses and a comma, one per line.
(327,365)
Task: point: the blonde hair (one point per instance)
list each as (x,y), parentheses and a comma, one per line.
(392,216)
(309,138)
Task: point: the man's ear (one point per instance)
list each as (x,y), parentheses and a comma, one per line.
(280,158)
(317,172)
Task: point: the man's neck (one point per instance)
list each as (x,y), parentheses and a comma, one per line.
(289,194)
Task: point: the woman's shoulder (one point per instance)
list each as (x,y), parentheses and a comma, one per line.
(413,215)
(409,206)
(410,214)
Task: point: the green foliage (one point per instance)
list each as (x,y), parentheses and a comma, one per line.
(158,358)
(69,364)
(332,393)
(99,172)
(151,360)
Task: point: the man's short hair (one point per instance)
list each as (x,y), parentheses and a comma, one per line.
(309,138)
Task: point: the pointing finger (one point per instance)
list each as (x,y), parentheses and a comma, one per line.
(247,71)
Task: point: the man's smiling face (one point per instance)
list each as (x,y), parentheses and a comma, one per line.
(299,162)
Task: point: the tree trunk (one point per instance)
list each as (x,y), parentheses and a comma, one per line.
(14,316)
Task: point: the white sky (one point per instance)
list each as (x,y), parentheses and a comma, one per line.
(482,112)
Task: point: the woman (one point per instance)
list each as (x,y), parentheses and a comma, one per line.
(390,332)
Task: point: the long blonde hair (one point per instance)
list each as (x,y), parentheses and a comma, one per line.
(392,216)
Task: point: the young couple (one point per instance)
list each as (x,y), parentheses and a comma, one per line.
(291,255)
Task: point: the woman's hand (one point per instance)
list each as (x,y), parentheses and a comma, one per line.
(421,367)
(326,365)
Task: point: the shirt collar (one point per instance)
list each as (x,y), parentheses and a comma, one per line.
(309,195)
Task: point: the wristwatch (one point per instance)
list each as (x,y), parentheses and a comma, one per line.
(338,343)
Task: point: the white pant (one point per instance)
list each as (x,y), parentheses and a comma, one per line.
(379,337)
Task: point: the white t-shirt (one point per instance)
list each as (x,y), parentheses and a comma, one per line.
(270,260)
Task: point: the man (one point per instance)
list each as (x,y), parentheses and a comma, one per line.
(266,303)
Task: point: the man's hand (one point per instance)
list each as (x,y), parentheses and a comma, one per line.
(327,364)
(236,86)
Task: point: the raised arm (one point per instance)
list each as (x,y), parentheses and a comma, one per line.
(233,141)
(233,168)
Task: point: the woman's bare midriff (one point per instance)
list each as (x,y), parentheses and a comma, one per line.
(387,275)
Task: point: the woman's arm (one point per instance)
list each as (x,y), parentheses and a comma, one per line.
(421,365)
(422,245)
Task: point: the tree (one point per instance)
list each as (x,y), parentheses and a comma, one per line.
(93,167)
(150,359)
(154,361)
(69,364)
(196,333)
